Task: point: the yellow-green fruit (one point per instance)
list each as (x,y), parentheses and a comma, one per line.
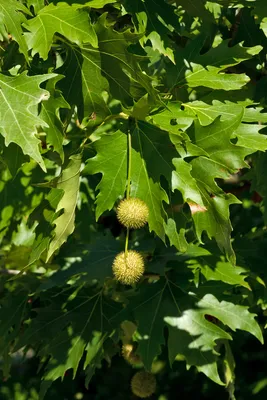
(129,355)
(133,213)
(128,269)
(143,384)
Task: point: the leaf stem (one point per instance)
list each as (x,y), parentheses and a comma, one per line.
(229,368)
(128,184)
(127,242)
(129,165)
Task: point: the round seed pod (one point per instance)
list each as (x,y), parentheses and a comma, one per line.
(143,384)
(133,213)
(129,355)
(128,269)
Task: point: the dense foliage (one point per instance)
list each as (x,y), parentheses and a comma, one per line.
(163,103)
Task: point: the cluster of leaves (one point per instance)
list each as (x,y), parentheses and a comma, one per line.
(187,80)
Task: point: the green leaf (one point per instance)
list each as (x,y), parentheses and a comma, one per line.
(111,162)
(196,339)
(156,25)
(145,178)
(207,69)
(13,158)
(196,8)
(263,25)
(36,4)
(176,238)
(232,315)
(229,364)
(219,270)
(50,114)
(162,303)
(260,12)
(11,18)
(258,181)
(121,67)
(191,335)
(183,181)
(20,96)
(64,224)
(141,108)
(94,264)
(144,184)
(83,85)
(73,24)
(98,3)
(224,56)
(155,144)
(208,203)
(248,136)
(150,308)
(94,356)
(11,322)
(24,236)
(254,114)
(218,135)
(179,343)
(172,118)
(211,77)
(91,3)
(214,218)
(204,334)
(15,200)
(44,215)
(207,113)
(68,327)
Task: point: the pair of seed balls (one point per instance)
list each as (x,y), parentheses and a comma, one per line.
(129,267)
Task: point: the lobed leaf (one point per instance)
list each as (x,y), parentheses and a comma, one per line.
(83,85)
(121,67)
(11,19)
(70,327)
(50,114)
(20,96)
(64,224)
(73,24)
(111,162)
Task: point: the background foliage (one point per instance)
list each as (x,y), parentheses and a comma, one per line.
(187,80)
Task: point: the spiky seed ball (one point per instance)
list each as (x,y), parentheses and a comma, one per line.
(143,384)
(133,213)
(128,269)
(129,355)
